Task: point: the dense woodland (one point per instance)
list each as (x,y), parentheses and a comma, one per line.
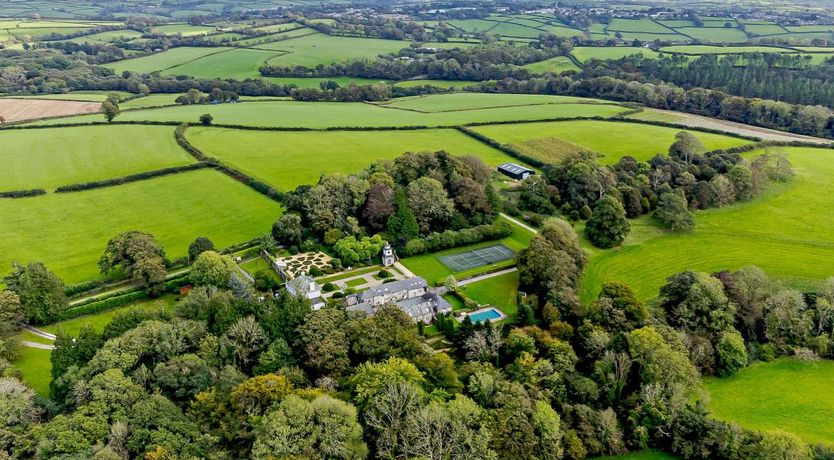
(245,370)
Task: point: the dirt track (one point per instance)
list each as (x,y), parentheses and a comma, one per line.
(698,121)
(32,109)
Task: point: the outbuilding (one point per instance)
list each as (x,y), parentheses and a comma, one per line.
(515,171)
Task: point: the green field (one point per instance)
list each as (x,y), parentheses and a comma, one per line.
(586,53)
(326,115)
(554,65)
(107,37)
(446,84)
(312,50)
(500,291)
(164,60)
(785,232)
(47,158)
(68,232)
(638,25)
(283,158)
(707,49)
(182,29)
(714,34)
(785,394)
(640,141)
(433,270)
(472,101)
(237,63)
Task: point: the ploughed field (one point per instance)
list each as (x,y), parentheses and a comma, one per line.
(13,109)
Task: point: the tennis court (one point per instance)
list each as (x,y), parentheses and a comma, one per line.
(477,258)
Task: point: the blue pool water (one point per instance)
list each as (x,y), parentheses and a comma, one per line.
(491,314)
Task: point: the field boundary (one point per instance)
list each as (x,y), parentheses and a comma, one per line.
(255,184)
(130,178)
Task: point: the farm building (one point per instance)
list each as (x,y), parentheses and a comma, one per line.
(411,295)
(515,171)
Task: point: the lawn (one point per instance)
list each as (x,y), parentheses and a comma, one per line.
(328,114)
(786,232)
(586,53)
(638,140)
(283,159)
(68,232)
(99,320)
(500,292)
(47,158)
(89,96)
(312,50)
(785,395)
(164,60)
(555,65)
(35,368)
(429,266)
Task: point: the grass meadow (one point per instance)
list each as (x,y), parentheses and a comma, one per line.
(554,65)
(471,101)
(429,266)
(69,231)
(47,158)
(312,50)
(284,160)
(785,232)
(785,394)
(586,53)
(164,60)
(326,115)
(638,140)
(237,63)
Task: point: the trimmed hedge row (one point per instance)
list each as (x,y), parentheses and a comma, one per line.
(502,147)
(130,178)
(258,186)
(102,305)
(23,193)
(451,239)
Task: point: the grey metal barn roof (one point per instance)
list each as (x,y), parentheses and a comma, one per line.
(514,168)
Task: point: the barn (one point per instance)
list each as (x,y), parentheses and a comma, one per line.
(515,171)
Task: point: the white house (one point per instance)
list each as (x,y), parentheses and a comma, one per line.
(306,287)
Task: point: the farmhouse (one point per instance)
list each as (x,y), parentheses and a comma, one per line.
(515,171)
(306,287)
(411,295)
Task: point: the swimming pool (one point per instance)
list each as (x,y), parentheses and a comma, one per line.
(491,314)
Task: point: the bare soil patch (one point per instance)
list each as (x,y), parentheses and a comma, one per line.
(33,109)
